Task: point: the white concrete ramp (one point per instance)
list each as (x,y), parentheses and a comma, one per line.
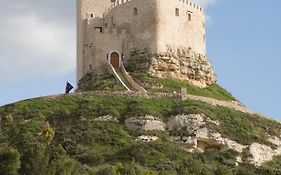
(126,80)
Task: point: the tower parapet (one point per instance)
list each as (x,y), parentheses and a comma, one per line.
(122,2)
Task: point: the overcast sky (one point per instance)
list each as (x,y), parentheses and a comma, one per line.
(37,49)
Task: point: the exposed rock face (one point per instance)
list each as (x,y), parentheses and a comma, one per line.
(106,118)
(145,123)
(274,140)
(193,133)
(144,138)
(218,141)
(198,136)
(190,122)
(181,64)
(263,153)
(184,65)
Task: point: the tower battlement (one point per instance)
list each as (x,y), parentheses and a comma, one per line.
(188,3)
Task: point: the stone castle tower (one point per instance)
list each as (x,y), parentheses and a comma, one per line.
(165,38)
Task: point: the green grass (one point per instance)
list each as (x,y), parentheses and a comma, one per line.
(107,82)
(84,146)
(242,127)
(104,82)
(171,85)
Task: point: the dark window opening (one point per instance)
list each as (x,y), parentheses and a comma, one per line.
(92,15)
(99,28)
(177,12)
(189,17)
(135,11)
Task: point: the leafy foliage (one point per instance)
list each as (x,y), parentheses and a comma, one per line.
(9,160)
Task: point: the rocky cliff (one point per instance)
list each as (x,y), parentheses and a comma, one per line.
(181,64)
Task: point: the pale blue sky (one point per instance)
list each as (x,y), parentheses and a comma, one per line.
(37,49)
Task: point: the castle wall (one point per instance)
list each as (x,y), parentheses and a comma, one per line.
(95,7)
(130,26)
(123,30)
(85,10)
(97,53)
(138,18)
(176,32)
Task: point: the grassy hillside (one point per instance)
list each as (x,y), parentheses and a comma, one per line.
(168,85)
(60,136)
(108,82)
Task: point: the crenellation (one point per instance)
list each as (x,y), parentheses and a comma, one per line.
(122,2)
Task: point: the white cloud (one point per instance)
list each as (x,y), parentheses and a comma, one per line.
(204,3)
(33,47)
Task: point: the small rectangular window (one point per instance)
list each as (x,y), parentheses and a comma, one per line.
(189,17)
(99,28)
(135,11)
(177,12)
(92,15)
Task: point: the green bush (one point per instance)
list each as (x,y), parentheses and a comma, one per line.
(9,160)
(223,170)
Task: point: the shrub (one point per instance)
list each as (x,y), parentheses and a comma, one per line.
(9,160)
(223,170)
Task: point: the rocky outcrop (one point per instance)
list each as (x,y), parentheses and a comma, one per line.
(194,133)
(106,118)
(274,140)
(197,137)
(145,138)
(189,122)
(263,153)
(145,123)
(215,139)
(184,65)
